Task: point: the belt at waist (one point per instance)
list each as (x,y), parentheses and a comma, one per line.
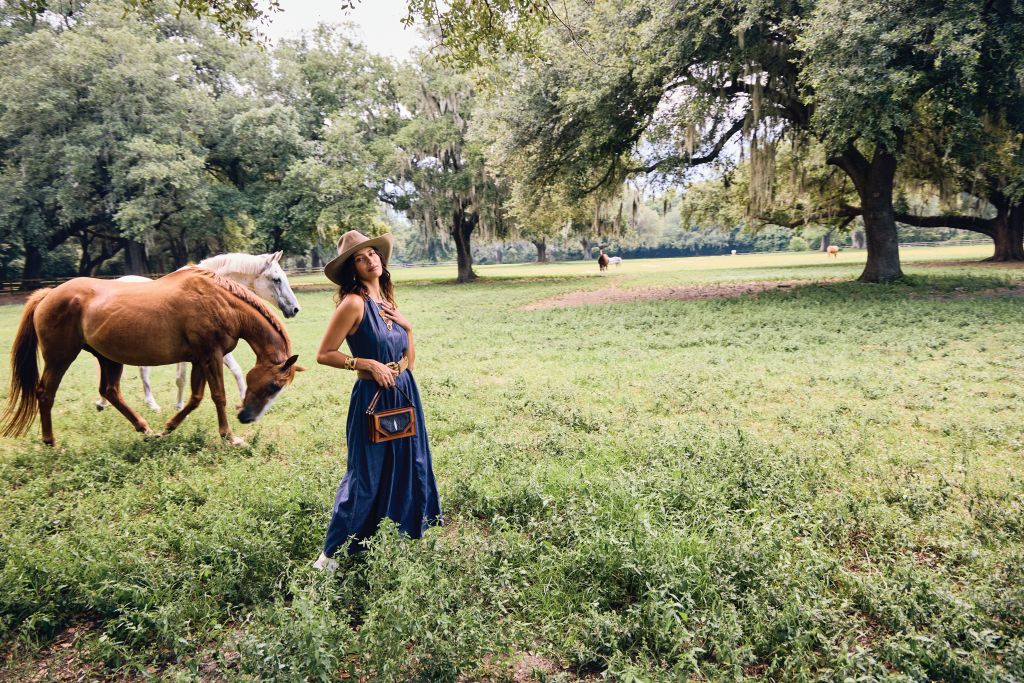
(401,366)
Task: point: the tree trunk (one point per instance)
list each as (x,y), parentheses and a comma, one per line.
(542,250)
(462,228)
(1008,231)
(179,252)
(314,257)
(499,254)
(826,240)
(856,239)
(587,244)
(87,265)
(135,260)
(33,269)
(874,182)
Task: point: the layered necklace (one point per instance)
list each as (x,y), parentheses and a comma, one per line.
(376,304)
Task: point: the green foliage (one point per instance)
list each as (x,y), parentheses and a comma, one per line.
(474,31)
(440,175)
(157,130)
(624,89)
(234,17)
(798,243)
(823,486)
(869,65)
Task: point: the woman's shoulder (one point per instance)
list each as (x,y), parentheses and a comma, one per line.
(350,306)
(351,301)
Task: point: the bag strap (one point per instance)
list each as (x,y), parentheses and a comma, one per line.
(376,397)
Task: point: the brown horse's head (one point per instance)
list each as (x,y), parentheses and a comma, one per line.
(265,382)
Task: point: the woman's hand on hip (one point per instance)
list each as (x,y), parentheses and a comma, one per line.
(382,374)
(389,311)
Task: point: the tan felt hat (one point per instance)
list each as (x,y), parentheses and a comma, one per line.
(351,242)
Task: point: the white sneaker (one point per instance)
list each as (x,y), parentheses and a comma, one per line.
(325,563)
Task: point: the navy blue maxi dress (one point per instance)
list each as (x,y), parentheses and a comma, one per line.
(394,479)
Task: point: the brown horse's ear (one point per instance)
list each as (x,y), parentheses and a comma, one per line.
(290,362)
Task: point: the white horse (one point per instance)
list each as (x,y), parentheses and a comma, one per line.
(615,261)
(261,273)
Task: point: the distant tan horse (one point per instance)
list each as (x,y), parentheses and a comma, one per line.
(833,251)
(191,315)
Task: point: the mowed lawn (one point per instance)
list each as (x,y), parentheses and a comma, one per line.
(823,482)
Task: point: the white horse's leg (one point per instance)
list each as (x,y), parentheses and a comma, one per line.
(236,370)
(182,371)
(150,401)
(101,402)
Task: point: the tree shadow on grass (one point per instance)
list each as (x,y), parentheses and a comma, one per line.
(954,285)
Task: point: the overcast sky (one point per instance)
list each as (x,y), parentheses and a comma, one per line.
(379,23)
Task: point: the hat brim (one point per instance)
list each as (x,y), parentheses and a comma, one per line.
(383,244)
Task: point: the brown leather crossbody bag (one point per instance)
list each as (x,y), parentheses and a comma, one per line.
(395,423)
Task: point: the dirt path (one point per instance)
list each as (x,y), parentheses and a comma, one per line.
(614,295)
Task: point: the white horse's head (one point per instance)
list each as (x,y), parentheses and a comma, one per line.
(272,284)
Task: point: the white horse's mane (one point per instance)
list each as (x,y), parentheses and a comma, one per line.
(250,264)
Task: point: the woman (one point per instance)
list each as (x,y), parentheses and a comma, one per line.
(393,479)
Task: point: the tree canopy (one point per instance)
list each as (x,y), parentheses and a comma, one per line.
(648,87)
(153,135)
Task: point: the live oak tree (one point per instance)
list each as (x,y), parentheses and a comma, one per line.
(440,177)
(978,172)
(158,138)
(542,217)
(806,194)
(650,87)
(95,121)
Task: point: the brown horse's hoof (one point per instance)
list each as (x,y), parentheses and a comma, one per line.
(150,435)
(236,441)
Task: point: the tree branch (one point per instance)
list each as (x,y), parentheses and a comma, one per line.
(855,165)
(692,161)
(972,223)
(843,210)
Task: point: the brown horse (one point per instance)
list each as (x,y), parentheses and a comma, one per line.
(191,315)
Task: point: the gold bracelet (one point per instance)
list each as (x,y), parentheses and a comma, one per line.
(350,363)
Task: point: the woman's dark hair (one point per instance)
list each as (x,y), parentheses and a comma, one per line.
(351,284)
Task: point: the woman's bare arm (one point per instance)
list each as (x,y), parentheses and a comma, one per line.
(343,322)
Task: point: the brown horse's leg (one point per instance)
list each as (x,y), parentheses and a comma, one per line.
(46,391)
(110,389)
(198,383)
(215,372)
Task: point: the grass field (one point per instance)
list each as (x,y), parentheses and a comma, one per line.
(818,483)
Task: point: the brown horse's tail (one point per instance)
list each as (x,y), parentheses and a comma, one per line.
(22,403)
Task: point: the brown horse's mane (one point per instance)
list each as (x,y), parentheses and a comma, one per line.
(247,296)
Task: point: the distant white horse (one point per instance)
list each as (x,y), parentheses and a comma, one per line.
(615,261)
(261,273)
